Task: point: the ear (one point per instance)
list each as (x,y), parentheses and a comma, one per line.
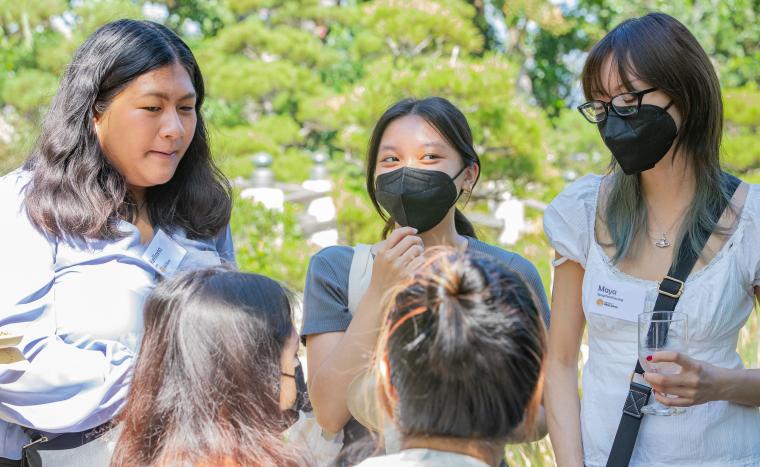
(470,175)
(97,120)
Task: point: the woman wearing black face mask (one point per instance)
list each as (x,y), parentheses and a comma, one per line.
(665,208)
(421,161)
(217,378)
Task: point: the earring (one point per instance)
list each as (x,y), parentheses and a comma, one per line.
(466,192)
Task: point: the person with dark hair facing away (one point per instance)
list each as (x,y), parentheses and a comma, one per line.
(459,362)
(215,379)
(421,162)
(655,98)
(119,190)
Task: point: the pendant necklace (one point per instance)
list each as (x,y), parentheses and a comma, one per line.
(662,241)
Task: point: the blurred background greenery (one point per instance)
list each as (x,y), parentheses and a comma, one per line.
(299,76)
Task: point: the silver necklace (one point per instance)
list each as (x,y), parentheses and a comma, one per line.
(662,241)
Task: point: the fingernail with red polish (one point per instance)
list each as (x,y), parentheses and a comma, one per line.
(649,358)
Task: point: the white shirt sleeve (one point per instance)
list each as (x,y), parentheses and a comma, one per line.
(61,386)
(569,220)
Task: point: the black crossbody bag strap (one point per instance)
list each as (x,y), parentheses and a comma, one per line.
(670,290)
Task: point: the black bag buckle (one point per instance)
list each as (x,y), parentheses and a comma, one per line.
(638,396)
(671,287)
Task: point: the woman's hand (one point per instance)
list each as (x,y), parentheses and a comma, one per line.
(335,358)
(396,258)
(698,382)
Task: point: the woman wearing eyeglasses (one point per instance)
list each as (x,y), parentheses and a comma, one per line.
(655,98)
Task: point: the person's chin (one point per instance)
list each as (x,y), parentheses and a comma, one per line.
(159,177)
(162,172)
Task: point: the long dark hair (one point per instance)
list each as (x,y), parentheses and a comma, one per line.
(449,121)
(207,378)
(660,50)
(74,190)
(464,345)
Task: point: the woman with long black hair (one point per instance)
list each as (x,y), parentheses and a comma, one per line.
(119,191)
(215,379)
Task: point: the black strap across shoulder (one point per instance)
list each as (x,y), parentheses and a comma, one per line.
(670,290)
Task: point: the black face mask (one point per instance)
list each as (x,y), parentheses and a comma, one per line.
(416,197)
(641,141)
(302,396)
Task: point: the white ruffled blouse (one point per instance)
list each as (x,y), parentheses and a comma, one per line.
(718,300)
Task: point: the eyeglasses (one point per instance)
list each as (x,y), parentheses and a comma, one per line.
(624,105)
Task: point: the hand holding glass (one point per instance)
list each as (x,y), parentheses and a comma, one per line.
(659,331)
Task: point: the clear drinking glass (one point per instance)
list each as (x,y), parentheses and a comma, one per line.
(658,331)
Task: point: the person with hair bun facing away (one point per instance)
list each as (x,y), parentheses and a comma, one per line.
(421,161)
(119,191)
(216,378)
(459,362)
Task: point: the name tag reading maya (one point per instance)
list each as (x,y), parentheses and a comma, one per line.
(618,300)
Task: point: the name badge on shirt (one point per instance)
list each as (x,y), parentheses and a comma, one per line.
(618,300)
(164,254)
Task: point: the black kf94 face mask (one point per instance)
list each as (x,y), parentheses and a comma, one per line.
(417,198)
(302,402)
(640,141)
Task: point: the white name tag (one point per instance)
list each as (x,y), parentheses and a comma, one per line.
(164,254)
(618,300)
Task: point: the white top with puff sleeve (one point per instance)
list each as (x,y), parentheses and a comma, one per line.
(718,300)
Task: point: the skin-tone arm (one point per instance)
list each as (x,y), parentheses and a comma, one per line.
(334,359)
(700,382)
(561,393)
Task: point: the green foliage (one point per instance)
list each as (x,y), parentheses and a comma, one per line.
(233,147)
(53,52)
(550,38)
(33,55)
(537,454)
(270,243)
(94,14)
(576,149)
(31,13)
(507,130)
(726,29)
(356,217)
(29,91)
(245,7)
(291,77)
(741,141)
(411,28)
(209,15)
(292,165)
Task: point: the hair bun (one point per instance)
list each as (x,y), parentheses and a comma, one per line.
(452,292)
